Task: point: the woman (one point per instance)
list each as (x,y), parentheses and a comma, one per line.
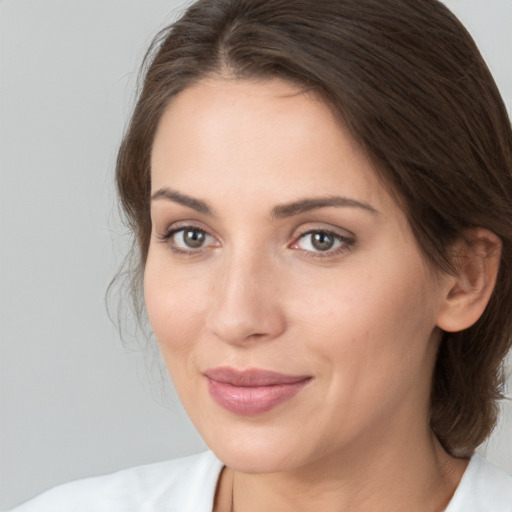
(320,194)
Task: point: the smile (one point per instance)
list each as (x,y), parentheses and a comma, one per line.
(252,392)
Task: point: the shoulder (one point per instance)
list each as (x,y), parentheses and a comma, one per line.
(178,485)
(484,488)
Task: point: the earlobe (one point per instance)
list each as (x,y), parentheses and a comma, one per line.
(466,295)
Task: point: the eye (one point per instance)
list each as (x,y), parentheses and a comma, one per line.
(187,239)
(190,238)
(323,243)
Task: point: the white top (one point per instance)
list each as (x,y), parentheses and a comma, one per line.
(188,485)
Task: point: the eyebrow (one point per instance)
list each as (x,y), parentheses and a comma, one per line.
(278,212)
(310,204)
(190,202)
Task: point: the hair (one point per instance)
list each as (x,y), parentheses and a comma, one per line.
(407,80)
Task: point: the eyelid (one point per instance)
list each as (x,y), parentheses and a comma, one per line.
(172,227)
(167,238)
(346,238)
(308,227)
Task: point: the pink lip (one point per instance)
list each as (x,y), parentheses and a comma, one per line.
(251,392)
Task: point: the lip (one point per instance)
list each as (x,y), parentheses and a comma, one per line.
(252,391)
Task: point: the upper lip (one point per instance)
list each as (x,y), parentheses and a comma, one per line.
(252,377)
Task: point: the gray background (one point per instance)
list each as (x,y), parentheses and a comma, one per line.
(74,401)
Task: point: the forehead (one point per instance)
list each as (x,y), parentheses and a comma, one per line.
(265,138)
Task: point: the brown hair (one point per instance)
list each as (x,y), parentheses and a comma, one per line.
(409,82)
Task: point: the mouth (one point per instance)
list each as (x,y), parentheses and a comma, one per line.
(254,391)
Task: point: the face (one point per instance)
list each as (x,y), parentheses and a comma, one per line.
(289,298)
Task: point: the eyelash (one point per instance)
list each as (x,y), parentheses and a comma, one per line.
(346,243)
(167,238)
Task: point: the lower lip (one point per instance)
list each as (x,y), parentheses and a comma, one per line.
(252,400)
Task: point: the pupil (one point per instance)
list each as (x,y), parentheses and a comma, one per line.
(194,239)
(322,241)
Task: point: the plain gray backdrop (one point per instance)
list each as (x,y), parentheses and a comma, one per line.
(74,401)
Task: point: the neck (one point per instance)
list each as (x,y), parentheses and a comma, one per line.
(413,475)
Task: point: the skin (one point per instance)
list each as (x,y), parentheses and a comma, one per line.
(361,319)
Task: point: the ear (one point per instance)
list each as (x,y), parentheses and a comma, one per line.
(477,260)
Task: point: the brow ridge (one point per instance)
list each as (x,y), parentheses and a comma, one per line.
(177,197)
(278,212)
(309,204)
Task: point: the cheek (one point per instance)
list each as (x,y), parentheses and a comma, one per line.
(368,319)
(175,306)
(371,344)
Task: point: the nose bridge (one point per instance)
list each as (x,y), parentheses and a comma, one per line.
(244,303)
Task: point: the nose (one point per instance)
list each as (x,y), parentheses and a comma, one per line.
(245,304)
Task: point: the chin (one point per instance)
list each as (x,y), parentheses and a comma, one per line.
(256,461)
(258,452)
